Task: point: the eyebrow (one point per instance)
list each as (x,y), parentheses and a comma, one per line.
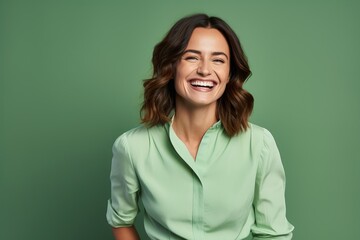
(213,53)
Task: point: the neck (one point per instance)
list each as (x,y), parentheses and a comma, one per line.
(193,125)
(190,124)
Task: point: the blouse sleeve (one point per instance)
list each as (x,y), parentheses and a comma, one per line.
(122,206)
(269,200)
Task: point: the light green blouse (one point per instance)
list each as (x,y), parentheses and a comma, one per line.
(235,185)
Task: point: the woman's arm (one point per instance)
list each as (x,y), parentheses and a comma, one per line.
(269,199)
(123,205)
(125,233)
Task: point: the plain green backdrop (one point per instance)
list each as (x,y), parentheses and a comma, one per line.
(71,81)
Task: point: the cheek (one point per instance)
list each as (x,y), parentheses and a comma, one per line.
(182,73)
(179,81)
(223,73)
(179,73)
(225,77)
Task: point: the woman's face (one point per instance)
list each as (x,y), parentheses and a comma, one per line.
(203,70)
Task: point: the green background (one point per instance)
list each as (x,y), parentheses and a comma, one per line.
(70,83)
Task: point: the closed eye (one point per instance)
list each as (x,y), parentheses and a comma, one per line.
(218,60)
(191,58)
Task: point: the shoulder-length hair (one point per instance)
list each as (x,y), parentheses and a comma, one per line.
(234,106)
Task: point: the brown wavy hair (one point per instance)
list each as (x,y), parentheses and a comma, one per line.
(234,106)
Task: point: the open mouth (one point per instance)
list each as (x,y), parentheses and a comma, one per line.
(202,84)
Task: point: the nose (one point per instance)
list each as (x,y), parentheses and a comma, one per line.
(204,68)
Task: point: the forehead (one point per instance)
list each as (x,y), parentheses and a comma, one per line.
(208,40)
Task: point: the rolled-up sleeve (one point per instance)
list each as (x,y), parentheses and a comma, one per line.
(122,206)
(269,200)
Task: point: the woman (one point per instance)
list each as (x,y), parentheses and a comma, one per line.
(201,170)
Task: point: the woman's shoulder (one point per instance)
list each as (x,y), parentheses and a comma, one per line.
(137,131)
(136,142)
(139,135)
(258,131)
(260,136)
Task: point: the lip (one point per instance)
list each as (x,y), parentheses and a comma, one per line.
(202,85)
(214,83)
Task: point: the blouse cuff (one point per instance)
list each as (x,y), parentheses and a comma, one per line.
(115,220)
(283,237)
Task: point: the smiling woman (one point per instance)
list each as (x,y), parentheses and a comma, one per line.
(203,71)
(201,170)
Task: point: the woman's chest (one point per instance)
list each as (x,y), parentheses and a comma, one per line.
(215,189)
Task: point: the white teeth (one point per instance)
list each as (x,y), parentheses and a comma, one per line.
(202,83)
